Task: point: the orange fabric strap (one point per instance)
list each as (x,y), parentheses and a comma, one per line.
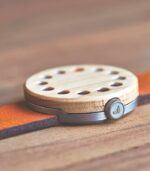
(144,83)
(16,118)
(144,87)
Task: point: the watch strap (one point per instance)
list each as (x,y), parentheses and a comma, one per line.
(144,87)
(17,118)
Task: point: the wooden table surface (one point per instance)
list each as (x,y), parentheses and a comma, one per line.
(35,35)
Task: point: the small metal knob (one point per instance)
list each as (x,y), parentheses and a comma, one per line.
(114,109)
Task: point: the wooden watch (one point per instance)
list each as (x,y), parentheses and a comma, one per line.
(83,93)
(79,94)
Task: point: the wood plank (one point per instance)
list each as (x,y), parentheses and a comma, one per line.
(62,146)
(135,159)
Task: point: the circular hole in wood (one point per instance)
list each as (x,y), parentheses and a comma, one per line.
(48,89)
(48,77)
(114,73)
(61,72)
(64,92)
(79,69)
(43,83)
(103,89)
(84,92)
(117,84)
(121,78)
(99,69)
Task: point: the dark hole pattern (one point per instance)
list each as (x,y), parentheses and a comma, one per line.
(99,69)
(48,89)
(48,77)
(64,92)
(61,72)
(121,78)
(79,69)
(117,84)
(84,92)
(103,89)
(114,73)
(43,83)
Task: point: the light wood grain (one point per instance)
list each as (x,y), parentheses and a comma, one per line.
(81,88)
(43,34)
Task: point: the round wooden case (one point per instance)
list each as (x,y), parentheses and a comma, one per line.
(81,88)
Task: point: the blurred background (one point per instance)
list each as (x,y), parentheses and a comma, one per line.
(38,34)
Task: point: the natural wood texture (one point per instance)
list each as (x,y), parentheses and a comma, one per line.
(135,159)
(81,88)
(36,35)
(61,147)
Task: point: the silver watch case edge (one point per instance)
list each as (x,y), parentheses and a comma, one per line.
(114,110)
